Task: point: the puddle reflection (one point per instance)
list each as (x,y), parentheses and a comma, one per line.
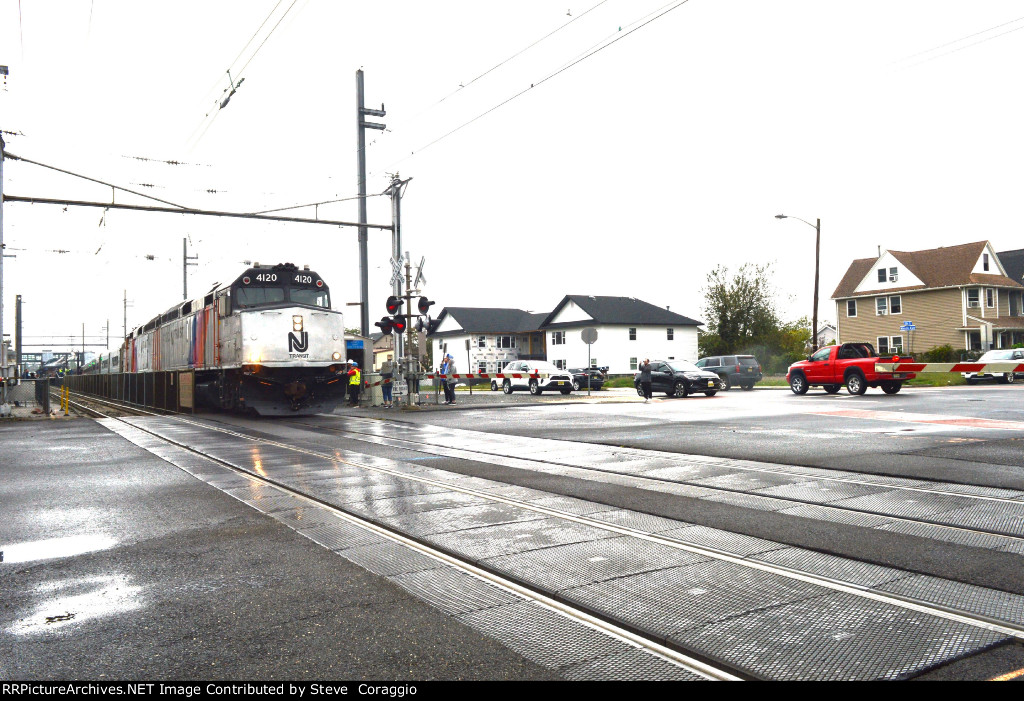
(51,548)
(61,607)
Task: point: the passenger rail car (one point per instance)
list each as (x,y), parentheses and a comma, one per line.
(267,343)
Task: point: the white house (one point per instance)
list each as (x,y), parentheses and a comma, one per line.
(629,330)
(494,336)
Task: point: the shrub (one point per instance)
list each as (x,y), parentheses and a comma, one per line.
(941,354)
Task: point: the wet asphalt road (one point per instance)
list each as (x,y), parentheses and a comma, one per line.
(341,622)
(169,578)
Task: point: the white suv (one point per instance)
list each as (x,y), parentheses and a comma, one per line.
(551,377)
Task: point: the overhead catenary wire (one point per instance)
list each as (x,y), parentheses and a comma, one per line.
(589,53)
(964,38)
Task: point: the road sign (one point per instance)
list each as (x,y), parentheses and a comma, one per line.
(420,277)
(907,326)
(589,335)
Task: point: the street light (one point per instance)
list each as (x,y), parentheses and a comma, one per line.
(817,258)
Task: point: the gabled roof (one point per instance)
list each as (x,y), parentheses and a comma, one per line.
(617,310)
(951,266)
(489,320)
(1013,263)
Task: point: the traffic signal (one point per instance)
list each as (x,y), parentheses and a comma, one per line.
(424,305)
(399,323)
(394,304)
(386,325)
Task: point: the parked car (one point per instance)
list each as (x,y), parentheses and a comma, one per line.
(679,378)
(1003,355)
(552,379)
(742,370)
(579,378)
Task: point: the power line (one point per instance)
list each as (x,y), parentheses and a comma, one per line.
(8,154)
(576,62)
(957,41)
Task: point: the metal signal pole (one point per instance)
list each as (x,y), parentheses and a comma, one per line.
(361,127)
(3,348)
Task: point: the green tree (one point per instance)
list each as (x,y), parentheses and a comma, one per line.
(739,310)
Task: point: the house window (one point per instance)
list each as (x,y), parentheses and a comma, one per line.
(889,344)
(632,334)
(984,262)
(881,306)
(851,307)
(481,342)
(506,342)
(895,305)
(881,274)
(593,362)
(990,297)
(893,275)
(558,338)
(670,334)
(973,298)
(481,367)
(560,364)
(632,363)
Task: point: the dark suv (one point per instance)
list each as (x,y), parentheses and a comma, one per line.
(579,378)
(742,370)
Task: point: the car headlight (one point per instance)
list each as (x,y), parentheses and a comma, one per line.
(337,355)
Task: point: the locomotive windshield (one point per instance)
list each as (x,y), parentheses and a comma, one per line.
(280,286)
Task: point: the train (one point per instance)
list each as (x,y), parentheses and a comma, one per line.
(266,343)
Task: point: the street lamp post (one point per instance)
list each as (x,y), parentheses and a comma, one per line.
(817,258)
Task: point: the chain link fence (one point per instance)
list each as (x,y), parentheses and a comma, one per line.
(30,394)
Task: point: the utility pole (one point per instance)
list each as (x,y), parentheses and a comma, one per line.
(817,259)
(17,336)
(3,347)
(361,127)
(126,313)
(185,258)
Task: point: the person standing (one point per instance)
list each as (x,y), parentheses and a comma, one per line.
(645,379)
(448,369)
(355,381)
(387,374)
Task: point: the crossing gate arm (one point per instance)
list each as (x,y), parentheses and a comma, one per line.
(950,367)
(488,376)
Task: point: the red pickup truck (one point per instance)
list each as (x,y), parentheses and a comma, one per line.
(851,364)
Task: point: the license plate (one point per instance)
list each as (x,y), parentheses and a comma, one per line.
(711,383)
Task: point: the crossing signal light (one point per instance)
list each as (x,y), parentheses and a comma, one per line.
(394,304)
(386,325)
(424,305)
(398,323)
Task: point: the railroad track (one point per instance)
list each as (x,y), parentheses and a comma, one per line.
(702,659)
(1007,530)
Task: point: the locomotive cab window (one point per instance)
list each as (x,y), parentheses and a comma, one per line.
(248,297)
(310,297)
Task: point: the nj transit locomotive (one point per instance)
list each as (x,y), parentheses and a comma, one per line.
(267,343)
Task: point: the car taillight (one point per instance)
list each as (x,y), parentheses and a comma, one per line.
(738,368)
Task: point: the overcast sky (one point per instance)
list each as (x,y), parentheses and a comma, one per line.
(633,172)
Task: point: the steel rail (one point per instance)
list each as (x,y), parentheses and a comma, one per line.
(906,602)
(686,661)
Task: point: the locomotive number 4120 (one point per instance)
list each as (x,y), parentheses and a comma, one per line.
(305,279)
(266,277)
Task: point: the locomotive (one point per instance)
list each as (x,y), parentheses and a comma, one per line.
(266,343)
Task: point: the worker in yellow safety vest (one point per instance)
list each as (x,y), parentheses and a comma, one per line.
(355,383)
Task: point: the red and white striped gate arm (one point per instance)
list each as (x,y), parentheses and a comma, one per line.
(486,376)
(949,367)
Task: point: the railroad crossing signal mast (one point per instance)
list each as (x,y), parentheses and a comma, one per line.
(408,364)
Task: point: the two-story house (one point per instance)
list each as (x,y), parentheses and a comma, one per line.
(958,295)
(491,337)
(629,330)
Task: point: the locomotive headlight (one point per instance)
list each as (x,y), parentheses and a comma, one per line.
(254,356)
(297,322)
(337,355)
